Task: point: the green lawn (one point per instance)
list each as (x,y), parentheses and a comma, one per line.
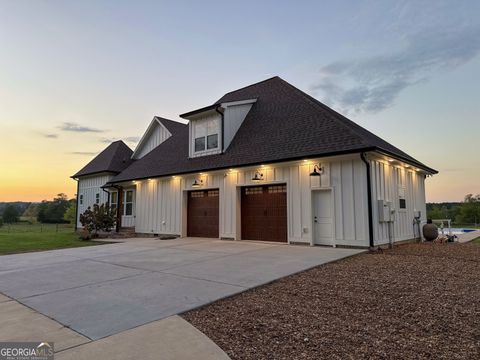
(19,242)
(476,241)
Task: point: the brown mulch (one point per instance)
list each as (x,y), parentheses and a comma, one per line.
(417,301)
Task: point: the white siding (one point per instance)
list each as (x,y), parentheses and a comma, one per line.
(233,118)
(156,135)
(160,203)
(202,126)
(386,181)
(88,187)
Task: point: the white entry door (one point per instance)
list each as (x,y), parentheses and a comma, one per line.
(322,211)
(128,216)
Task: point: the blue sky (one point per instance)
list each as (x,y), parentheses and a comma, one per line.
(76,74)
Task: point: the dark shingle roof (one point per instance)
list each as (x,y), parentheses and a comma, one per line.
(115,158)
(173,126)
(284,124)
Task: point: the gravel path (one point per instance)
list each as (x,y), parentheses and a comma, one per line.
(417,301)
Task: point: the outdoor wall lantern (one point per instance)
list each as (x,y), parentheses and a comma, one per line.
(197,183)
(258,176)
(317,170)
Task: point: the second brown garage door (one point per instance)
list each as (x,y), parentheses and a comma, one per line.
(264,213)
(203,213)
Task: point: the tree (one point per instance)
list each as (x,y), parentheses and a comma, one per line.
(470,209)
(101,218)
(53,211)
(31,212)
(70,212)
(10,214)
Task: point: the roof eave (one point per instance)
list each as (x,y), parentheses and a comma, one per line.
(297,158)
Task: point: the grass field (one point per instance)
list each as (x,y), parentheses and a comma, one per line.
(24,237)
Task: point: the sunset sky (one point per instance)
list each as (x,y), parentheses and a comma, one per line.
(76,75)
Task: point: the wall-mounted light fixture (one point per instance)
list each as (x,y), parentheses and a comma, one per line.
(317,170)
(197,183)
(258,176)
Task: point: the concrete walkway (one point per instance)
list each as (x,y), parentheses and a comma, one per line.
(20,323)
(103,290)
(168,339)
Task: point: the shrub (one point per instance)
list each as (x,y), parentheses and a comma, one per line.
(1,221)
(101,218)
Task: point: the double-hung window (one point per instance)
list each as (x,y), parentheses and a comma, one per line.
(206,135)
(114,200)
(128,203)
(97,198)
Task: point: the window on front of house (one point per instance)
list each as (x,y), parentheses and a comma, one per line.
(129,202)
(212,141)
(113,200)
(402,204)
(97,198)
(200,144)
(81,199)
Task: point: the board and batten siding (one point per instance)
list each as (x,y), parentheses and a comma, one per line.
(161,202)
(387,180)
(89,186)
(157,136)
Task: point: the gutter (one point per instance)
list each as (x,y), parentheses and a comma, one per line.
(369,197)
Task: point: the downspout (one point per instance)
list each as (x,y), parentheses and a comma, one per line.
(76,207)
(223,125)
(369,199)
(108,196)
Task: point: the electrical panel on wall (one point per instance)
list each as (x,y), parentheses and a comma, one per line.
(385,211)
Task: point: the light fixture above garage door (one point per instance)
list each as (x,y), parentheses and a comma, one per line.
(258,177)
(197,183)
(317,170)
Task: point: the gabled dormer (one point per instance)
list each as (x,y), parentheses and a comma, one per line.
(156,133)
(212,128)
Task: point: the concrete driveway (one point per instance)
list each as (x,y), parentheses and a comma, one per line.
(103,290)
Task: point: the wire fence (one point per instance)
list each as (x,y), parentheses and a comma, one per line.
(22,227)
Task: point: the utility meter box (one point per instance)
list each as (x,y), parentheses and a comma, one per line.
(385,211)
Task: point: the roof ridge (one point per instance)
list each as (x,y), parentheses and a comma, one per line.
(352,126)
(316,102)
(117,143)
(247,86)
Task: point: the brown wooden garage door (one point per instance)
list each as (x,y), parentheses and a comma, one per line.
(264,213)
(203,213)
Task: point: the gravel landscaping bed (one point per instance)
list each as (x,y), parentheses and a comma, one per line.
(417,301)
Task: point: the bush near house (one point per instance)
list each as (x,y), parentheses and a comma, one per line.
(100,218)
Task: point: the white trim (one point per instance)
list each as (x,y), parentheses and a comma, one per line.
(146,135)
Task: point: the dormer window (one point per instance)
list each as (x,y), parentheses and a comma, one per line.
(212,141)
(212,128)
(200,144)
